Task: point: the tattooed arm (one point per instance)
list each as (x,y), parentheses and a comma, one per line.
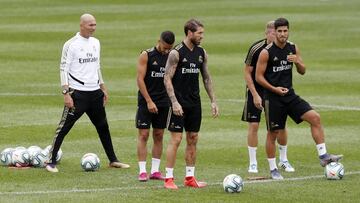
(209,87)
(170,69)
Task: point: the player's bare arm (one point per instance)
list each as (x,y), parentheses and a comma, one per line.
(170,69)
(260,74)
(208,84)
(141,73)
(250,84)
(297,60)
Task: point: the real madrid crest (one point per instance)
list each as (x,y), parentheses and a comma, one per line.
(200,59)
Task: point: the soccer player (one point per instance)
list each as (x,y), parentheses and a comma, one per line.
(84,90)
(253,104)
(181,79)
(274,73)
(153,103)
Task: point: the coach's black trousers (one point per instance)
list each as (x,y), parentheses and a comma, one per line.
(91,103)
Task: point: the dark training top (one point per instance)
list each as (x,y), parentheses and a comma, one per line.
(252,58)
(154,79)
(279,69)
(186,77)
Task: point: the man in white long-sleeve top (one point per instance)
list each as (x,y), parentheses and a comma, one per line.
(84,90)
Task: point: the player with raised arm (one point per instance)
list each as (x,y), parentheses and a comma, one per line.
(253,104)
(274,73)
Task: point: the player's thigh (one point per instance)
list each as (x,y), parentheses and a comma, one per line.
(159,120)
(250,112)
(192,120)
(275,114)
(297,108)
(143,118)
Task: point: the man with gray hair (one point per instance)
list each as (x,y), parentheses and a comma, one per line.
(84,90)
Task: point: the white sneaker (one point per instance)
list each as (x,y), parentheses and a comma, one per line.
(275,174)
(253,168)
(286,166)
(51,168)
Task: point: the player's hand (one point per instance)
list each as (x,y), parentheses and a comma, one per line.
(281,91)
(214,109)
(106,97)
(68,101)
(177,109)
(292,58)
(258,102)
(152,107)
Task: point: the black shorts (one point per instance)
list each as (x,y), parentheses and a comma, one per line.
(144,118)
(277,108)
(250,112)
(191,120)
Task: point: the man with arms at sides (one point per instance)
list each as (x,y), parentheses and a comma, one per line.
(153,103)
(181,79)
(84,90)
(274,73)
(253,104)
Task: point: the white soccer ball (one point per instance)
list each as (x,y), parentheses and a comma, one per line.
(59,154)
(334,171)
(233,183)
(32,150)
(20,157)
(20,147)
(6,157)
(90,162)
(40,158)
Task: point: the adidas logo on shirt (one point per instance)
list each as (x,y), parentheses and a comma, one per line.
(275,59)
(155,63)
(184,60)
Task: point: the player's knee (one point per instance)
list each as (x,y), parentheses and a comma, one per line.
(158,137)
(314,118)
(176,140)
(192,138)
(143,136)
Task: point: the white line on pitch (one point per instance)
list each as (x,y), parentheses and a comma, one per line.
(157,187)
(335,107)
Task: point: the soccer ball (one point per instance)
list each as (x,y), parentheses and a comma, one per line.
(20,157)
(90,162)
(40,158)
(59,154)
(6,157)
(233,183)
(32,150)
(334,171)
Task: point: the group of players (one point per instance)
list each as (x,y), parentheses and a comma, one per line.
(168,82)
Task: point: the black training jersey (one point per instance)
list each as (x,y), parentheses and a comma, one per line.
(154,78)
(252,58)
(186,77)
(279,69)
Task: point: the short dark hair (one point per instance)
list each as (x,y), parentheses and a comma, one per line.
(168,37)
(281,22)
(192,25)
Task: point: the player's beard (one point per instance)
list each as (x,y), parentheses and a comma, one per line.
(195,42)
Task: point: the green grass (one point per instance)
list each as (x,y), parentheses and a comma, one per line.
(32,35)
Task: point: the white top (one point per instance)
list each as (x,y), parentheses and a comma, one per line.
(80,63)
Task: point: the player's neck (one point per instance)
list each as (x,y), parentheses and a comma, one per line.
(280,44)
(189,44)
(84,35)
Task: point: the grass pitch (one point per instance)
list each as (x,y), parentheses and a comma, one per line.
(32,35)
